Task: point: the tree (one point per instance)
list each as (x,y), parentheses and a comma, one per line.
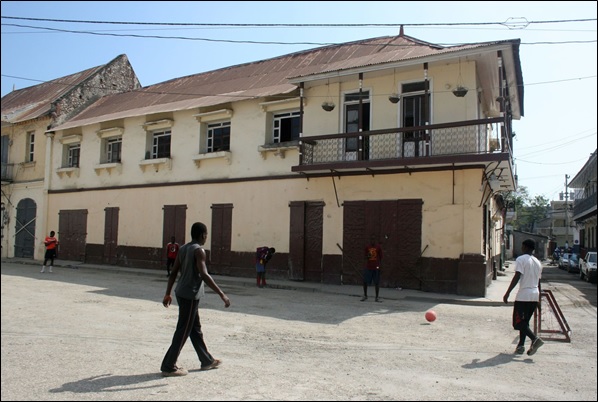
(528,211)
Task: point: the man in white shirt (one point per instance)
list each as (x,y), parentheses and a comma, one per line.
(528,272)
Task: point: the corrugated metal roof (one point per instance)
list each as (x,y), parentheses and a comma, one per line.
(258,79)
(36,101)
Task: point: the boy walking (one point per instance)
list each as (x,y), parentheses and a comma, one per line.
(528,272)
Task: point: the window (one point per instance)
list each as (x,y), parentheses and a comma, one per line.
(412,100)
(218,137)
(74,153)
(286,127)
(30,146)
(161,144)
(352,117)
(114,149)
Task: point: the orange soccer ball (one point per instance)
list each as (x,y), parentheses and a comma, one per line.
(430,315)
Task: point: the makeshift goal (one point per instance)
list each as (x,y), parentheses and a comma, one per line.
(549,321)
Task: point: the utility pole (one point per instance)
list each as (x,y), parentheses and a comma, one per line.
(567,210)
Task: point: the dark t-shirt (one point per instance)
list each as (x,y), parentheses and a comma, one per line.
(189,280)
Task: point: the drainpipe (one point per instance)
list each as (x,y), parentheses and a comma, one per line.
(301,88)
(47,179)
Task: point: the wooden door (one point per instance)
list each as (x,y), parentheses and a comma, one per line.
(305,242)
(396,224)
(110,235)
(72,234)
(221,236)
(174,221)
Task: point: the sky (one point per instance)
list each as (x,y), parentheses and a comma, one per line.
(554,138)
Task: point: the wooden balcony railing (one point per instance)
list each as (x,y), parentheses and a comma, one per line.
(458,138)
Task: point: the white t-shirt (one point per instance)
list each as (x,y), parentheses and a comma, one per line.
(531,272)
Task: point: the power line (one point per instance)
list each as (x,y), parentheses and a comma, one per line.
(514,23)
(261,42)
(244,96)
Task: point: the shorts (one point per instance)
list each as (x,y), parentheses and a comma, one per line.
(522,314)
(260,267)
(50,254)
(371,275)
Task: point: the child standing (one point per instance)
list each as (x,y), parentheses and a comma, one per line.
(51,243)
(262,256)
(172,249)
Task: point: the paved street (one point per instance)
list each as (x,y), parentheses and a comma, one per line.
(99,333)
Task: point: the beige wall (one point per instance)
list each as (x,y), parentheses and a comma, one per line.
(452,212)
(249,122)
(261,211)
(28,182)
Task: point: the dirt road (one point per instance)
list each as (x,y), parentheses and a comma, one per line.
(88,334)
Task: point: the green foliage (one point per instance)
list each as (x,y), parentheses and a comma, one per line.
(528,211)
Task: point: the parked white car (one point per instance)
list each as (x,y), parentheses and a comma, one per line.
(587,267)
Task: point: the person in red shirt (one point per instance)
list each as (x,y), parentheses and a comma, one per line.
(371,273)
(172,250)
(51,243)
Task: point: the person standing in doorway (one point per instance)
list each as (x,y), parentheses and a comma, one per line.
(371,273)
(191,262)
(172,249)
(51,243)
(262,256)
(528,272)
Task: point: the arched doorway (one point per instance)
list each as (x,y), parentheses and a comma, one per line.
(25,228)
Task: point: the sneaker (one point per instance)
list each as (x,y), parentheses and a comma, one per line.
(520,350)
(50,270)
(213,365)
(535,346)
(179,372)
(43,270)
(364,298)
(378,300)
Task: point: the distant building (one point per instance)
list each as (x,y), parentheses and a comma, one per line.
(584,207)
(559,226)
(542,243)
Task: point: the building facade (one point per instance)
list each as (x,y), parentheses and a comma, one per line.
(311,153)
(27,116)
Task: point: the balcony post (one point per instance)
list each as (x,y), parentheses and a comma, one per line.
(360,140)
(301,88)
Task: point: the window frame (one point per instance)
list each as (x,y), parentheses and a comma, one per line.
(158,147)
(211,129)
(31,146)
(73,155)
(110,151)
(278,126)
(349,105)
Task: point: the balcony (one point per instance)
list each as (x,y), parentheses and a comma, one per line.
(482,143)
(585,207)
(7,172)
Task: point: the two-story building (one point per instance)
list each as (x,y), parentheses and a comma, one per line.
(559,225)
(27,116)
(311,153)
(584,207)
